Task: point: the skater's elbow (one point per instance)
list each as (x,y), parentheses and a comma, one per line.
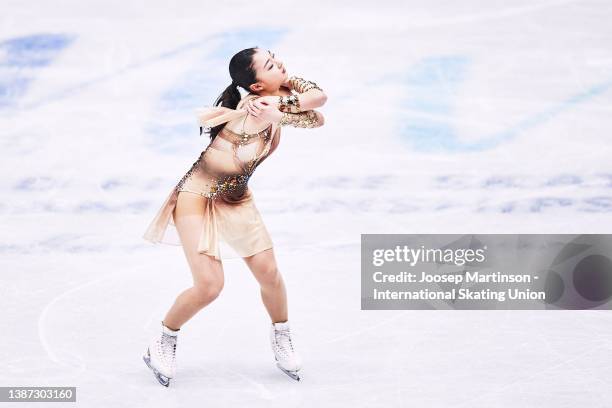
(318,98)
(322,99)
(320,119)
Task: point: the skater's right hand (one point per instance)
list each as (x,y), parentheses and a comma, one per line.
(265,108)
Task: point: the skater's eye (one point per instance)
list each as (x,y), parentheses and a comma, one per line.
(272,55)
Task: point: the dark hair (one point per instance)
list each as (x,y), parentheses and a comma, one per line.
(243,75)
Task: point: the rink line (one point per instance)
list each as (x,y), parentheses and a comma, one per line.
(82,367)
(443,135)
(530,377)
(202,42)
(369,328)
(42,336)
(262,391)
(66,92)
(550,348)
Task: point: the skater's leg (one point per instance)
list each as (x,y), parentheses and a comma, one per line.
(207,271)
(273,293)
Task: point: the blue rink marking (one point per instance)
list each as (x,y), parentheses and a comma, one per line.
(430,89)
(241,37)
(201,86)
(174,122)
(544,116)
(431,86)
(21,57)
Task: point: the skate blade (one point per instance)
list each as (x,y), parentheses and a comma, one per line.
(163,380)
(292,374)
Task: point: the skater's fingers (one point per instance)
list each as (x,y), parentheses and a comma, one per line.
(253,106)
(259,104)
(251,110)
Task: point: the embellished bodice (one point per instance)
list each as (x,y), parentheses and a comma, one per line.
(224,168)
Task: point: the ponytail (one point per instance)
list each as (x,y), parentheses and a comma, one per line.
(229,98)
(243,75)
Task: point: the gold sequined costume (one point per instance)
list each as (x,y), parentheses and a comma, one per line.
(221,174)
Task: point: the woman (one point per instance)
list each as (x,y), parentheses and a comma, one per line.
(212,201)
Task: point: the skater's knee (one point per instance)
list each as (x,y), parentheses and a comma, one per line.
(208,280)
(269,276)
(208,289)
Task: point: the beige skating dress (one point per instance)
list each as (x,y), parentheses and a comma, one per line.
(221,174)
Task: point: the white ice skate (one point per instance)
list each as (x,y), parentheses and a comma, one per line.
(161,355)
(287,359)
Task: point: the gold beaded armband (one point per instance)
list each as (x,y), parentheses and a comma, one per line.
(289,103)
(301,85)
(307,119)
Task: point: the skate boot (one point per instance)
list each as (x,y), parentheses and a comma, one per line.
(161,355)
(287,359)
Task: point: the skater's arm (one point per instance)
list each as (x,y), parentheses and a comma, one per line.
(265,110)
(307,119)
(309,96)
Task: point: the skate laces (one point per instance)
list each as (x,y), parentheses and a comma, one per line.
(283,339)
(168,347)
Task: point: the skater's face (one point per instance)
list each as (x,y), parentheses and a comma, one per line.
(269,71)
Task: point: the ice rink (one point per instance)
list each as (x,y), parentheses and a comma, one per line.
(442,117)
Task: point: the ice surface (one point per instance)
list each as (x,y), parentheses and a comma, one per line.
(442,117)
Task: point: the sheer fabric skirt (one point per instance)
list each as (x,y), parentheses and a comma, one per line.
(208,225)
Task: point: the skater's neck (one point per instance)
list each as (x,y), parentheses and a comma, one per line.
(276,92)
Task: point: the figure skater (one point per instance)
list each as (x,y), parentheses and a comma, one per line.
(212,200)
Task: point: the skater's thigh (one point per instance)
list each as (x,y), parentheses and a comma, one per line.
(189,220)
